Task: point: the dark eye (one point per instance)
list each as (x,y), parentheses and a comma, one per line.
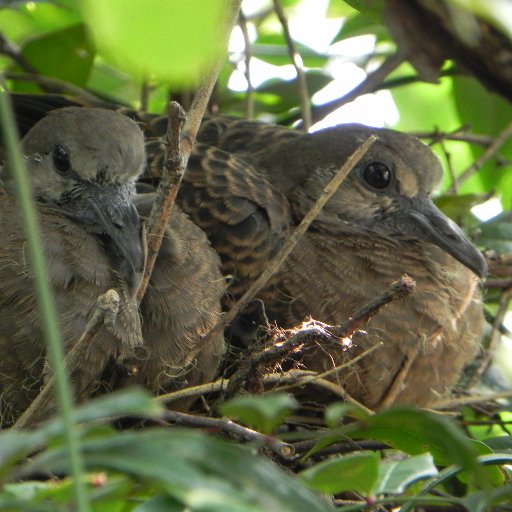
(61,160)
(378,175)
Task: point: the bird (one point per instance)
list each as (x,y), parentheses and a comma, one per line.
(82,166)
(247,186)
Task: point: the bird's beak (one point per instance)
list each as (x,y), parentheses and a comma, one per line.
(109,211)
(434,227)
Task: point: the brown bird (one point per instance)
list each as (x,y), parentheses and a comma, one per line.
(249,184)
(83,164)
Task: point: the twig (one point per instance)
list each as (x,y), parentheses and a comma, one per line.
(471,400)
(54,85)
(281,448)
(289,245)
(305,104)
(172,174)
(105,312)
(498,283)
(178,148)
(220,384)
(471,138)
(249,93)
(398,290)
(11,50)
(339,448)
(399,378)
(494,336)
(487,155)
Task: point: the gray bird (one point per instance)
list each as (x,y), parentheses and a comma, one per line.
(83,164)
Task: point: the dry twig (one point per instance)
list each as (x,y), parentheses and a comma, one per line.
(281,448)
(305,103)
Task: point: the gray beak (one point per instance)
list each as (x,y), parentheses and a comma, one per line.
(110,212)
(431,225)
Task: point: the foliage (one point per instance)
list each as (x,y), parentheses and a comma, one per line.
(138,58)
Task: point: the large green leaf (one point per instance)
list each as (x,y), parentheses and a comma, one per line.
(159,39)
(416,431)
(201,472)
(65,54)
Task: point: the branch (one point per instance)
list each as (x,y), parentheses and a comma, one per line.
(249,114)
(487,155)
(305,104)
(281,448)
(178,149)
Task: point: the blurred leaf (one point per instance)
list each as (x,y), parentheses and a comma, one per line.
(263,413)
(458,207)
(501,444)
(335,412)
(396,476)
(483,500)
(496,234)
(486,113)
(416,431)
(358,472)
(201,472)
(160,504)
(358,25)
(64,54)
(159,39)
(373,8)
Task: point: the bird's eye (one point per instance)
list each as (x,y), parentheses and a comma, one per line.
(378,175)
(61,160)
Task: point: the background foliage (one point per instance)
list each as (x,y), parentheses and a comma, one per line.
(445,86)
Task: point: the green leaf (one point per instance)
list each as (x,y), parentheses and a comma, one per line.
(486,113)
(358,472)
(496,234)
(201,472)
(335,412)
(396,476)
(416,431)
(168,40)
(70,46)
(263,413)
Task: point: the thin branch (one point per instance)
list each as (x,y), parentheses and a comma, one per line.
(105,312)
(489,153)
(178,148)
(455,403)
(53,85)
(249,93)
(172,174)
(281,448)
(289,245)
(11,50)
(493,340)
(305,103)
(398,290)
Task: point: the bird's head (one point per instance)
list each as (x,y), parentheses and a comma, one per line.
(84,163)
(387,194)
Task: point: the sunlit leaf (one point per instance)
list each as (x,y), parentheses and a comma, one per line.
(159,39)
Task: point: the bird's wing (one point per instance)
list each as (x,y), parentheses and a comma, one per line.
(243,215)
